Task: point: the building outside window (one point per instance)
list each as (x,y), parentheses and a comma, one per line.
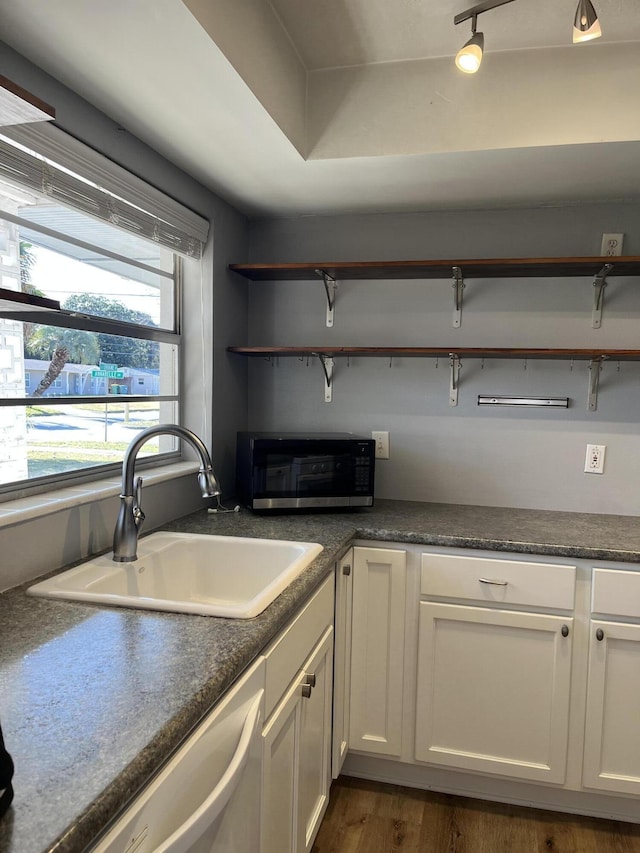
(105,365)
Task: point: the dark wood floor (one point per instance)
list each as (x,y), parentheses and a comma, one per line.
(369,817)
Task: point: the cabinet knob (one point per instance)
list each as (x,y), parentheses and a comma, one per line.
(306,691)
(599,635)
(564,630)
(346,569)
(310,679)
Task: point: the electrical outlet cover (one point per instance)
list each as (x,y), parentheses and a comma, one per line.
(611,244)
(594,460)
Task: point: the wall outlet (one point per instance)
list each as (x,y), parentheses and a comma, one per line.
(382,444)
(612,244)
(594,461)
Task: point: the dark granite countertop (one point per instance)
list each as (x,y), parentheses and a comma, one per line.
(93,699)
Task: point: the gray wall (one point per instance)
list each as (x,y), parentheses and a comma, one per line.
(225,323)
(503,457)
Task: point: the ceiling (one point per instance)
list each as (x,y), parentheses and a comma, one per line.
(290,107)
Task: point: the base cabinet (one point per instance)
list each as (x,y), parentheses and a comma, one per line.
(377,650)
(342,662)
(314,753)
(612,731)
(503,676)
(296,739)
(493,691)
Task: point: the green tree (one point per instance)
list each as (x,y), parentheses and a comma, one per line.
(117,349)
(61,346)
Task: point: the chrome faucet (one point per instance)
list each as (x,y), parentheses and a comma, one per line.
(131,516)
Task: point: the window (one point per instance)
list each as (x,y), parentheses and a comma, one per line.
(78,383)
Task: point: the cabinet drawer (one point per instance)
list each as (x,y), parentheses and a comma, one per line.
(616,593)
(486,580)
(287,653)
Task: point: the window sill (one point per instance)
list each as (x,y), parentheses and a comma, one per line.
(24,509)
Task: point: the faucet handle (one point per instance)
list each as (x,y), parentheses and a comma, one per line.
(138,514)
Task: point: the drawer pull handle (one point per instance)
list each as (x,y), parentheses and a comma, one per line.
(346,570)
(565,630)
(306,691)
(599,635)
(493,581)
(310,679)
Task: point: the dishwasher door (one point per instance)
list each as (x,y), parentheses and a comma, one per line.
(207,798)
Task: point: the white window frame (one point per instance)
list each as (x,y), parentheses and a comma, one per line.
(51,142)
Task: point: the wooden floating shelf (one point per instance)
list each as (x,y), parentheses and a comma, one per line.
(434,269)
(444,352)
(17,106)
(458,270)
(15,300)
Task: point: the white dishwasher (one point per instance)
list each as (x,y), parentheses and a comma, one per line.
(207,798)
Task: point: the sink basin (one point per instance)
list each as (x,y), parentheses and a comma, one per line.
(227,576)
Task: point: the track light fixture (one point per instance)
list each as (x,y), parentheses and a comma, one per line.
(469,57)
(586,25)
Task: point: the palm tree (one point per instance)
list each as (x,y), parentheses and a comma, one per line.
(27,263)
(61,346)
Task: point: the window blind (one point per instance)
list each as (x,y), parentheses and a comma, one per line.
(53,164)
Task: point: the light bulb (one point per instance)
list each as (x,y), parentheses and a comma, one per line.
(469,57)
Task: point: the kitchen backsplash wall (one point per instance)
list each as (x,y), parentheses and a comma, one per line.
(463,454)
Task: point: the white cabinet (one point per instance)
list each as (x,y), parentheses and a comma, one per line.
(342,662)
(496,675)
(493,682)
(314,754)
(493,691)
(612,730)
(296,773)
(377,650)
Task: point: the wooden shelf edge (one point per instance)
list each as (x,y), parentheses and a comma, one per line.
(17,106)
(470,268)
(20,298)
(440,352)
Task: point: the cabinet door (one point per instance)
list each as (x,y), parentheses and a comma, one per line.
(296,757)
(493,691)
(377,650)
(612,734)
(314,758)
(281,739)
(342,663)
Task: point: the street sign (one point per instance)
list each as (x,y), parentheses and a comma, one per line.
(107,374)
(105,366)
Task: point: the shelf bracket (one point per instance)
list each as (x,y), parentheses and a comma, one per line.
(327,366)
(599,284)
(330,288)
(595,366)
(458,287)
(454,382)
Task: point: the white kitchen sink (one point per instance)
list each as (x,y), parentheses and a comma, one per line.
(227,576)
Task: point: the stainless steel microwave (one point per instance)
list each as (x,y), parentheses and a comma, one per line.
(304,470)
